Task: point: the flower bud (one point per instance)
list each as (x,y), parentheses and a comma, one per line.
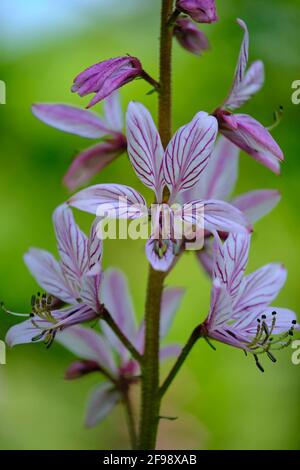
(190,37)
(202,11)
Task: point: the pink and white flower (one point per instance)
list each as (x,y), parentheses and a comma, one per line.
(73,283)
(87,124)
(179,168)
(218,182)
(240,313)
(241,129)
(103,352)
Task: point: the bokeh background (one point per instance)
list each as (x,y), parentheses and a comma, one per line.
(221,399)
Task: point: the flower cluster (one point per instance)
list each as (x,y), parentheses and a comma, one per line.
(197,168)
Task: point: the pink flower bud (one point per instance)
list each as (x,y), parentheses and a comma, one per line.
(79,368)
(202,11)
(190,37)
(105,77)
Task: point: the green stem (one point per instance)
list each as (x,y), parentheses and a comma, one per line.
(165,95)
(150,400)
(130,420)
(196,334)
(106,316)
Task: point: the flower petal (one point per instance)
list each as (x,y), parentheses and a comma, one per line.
(218,179)
(159,263)
(48,274)
(88,344)
(256,204)
(250,85)
(188,153)
(95,247)
(230,261)
(169,351)
(242,60)
(114,200)
(205,256)
(117,299)
(221,306)
(102,400)
(217,215)
(90,291)
(21,333)
(171,300)
(259,289)
(254,139)
(145,148)
(91,161)
(71,119)
(72,244)
(113,112)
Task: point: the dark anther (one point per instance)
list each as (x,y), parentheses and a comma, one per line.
(274,313)
(258,363)
(258,320)
(294,322)
(263,317)
(270,356)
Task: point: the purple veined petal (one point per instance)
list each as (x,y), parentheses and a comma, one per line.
(91,161)
(260,288)
(159,263)
(256,204)
(256,140)
(48,274)
(242,60)
(21,333)
(284,320)
(220,216)
(218,179)
(220,306)
(205,256)
(119,77)
(171,300)
(72,244)
(145,148)
(95,248)
(87,344)
(188,153)
(70,316)
(71,119)
(249,86)
(112,200)
(25,331)
(101,402)
(230,261)
(169,351)
(113,112)
(90,291)
(117,299)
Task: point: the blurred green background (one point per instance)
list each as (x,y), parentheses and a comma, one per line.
(221,399)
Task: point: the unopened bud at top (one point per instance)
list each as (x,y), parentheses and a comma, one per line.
(202,11)
(105,77)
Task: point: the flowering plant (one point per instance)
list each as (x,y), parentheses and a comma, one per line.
(192,174)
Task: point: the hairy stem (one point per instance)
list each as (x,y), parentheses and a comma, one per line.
(130,420)
(165,95)
(196,334)
(150,400)
(106,316)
